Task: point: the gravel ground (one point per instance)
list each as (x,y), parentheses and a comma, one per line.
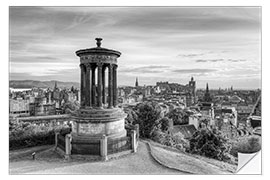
(138,163)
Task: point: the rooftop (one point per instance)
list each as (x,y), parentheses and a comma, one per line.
(186,130)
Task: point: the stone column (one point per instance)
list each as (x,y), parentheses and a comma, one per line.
(133,141)
(82,84)
(56,140)
(68,146)
(93,89)
(99,99)
(87,83)
(110,87)
(115,97)
(103,85)
(103,148)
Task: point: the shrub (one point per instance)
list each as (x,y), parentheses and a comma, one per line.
(210,143)
(23,135)
(249,144)
(165,138)
(131,116)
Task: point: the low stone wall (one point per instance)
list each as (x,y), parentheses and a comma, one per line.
(102,147)
(61,142)
(85,146)
(118,145)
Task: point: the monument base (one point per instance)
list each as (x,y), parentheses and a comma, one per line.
(90,126)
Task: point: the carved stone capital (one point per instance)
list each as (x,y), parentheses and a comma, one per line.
(110,66)
(81,66)
(115,66)
(88,66)
(100,65)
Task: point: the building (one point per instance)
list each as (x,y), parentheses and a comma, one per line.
(19,106)
(235,99)
(226,115)
(255,121)
(185,131)
(41,108)
(194,119)
(244,108)
(192,86)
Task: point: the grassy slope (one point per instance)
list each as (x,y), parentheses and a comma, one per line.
(193,163)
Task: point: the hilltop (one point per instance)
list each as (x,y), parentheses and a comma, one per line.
(41,84)
(151,158)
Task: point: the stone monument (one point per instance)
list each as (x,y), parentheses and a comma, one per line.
(99,114)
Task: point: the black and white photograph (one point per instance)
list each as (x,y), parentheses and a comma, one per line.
(122,90)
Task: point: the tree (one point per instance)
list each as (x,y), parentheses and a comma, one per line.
(148,113)
(131,116)
(210,143)
(164,124)
(178,116)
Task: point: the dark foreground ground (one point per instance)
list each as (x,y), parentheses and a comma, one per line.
(150,159)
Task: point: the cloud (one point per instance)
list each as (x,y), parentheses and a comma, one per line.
(237,60)
(219,60)
(193,71)
(190,55)
(19,76)
(144,69)
(209,60)
(73,75)
(43,40)
(34,59)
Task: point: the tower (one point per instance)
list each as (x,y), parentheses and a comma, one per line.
(136,83)
(55,86)
(207,97)
(192,86)
(99,115)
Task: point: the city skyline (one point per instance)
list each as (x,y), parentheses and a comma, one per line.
(221,46)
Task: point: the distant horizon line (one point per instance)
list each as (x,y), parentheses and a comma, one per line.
(234,88)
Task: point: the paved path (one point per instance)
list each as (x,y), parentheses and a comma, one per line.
(138,163)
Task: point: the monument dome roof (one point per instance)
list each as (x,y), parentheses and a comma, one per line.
(98,50)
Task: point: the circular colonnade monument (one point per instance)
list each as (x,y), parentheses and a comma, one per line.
(99,114)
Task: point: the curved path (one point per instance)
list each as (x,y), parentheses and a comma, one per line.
(138,163)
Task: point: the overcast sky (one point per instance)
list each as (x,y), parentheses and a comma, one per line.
(221,46)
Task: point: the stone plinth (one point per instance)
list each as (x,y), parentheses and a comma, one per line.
(94,123)
(91,125)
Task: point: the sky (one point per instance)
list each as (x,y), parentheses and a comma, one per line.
(220,46)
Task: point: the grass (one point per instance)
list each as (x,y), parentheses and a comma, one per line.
(194,163)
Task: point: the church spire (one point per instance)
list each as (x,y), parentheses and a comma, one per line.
(136,83)
(55,85)
(207,96)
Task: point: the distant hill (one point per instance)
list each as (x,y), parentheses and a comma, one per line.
(41,84)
